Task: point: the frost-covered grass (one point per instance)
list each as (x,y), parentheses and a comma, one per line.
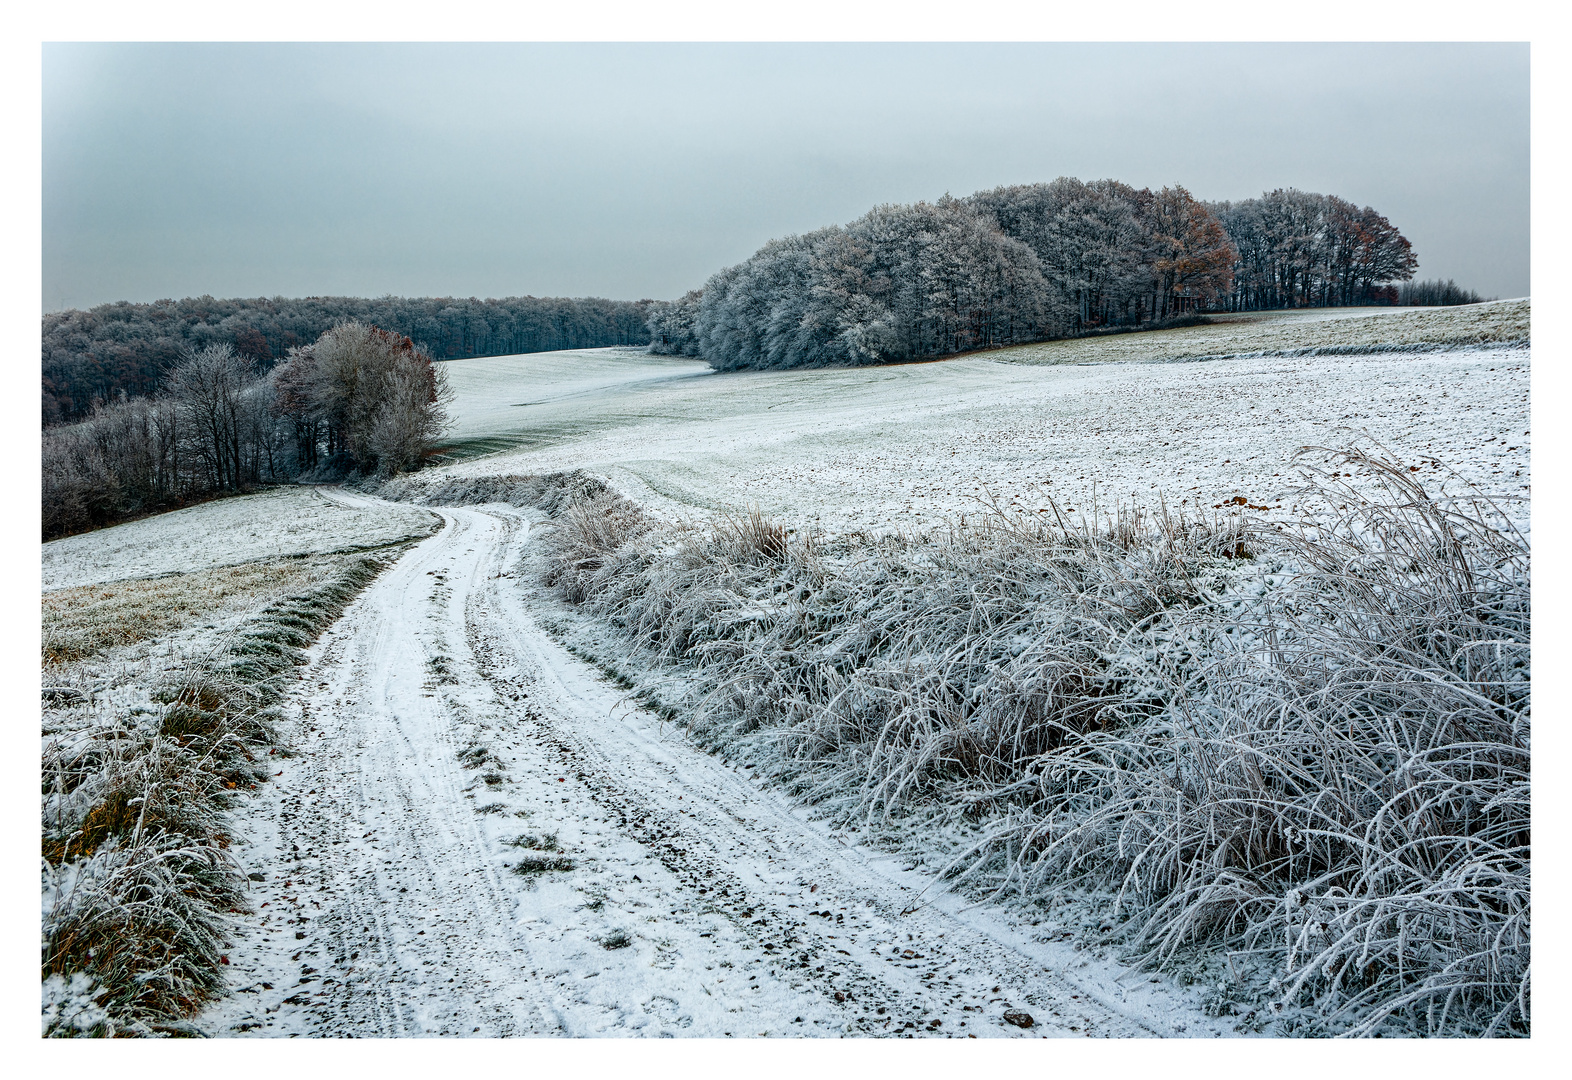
(83,621)
(226,532)
(145,746)
(1300,747)
(1323,331)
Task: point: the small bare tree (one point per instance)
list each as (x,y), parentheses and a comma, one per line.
(209,388)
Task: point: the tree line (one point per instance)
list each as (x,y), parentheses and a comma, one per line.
(1298,249)
(358,399)
(1029,262)
(97,354)
(1436,293)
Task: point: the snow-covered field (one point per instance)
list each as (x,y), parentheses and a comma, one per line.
(506,395)
(915,445)
(480,835)
(1341,329)
(227,532)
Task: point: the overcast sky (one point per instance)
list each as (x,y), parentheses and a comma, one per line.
(633,171)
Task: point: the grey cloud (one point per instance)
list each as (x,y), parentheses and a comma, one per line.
(638,170)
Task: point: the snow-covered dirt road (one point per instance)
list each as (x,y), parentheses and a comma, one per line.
(477,836)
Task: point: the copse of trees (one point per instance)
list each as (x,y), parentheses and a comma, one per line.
(1299,249)
(359,399)
(97,355)
(1436,293)
(900,283)
(1027,263)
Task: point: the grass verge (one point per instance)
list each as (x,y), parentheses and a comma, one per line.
(138,882)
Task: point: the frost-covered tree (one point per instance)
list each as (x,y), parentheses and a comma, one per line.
(373,397)
(1192,257)
(671,325)
(209,389)
(1300,249)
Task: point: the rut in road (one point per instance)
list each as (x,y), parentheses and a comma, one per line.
(476,836)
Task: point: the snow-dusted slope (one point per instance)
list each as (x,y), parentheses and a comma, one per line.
(503,395)
(226,532)
(1341,329)
(913,445)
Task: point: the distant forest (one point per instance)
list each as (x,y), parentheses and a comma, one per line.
(97,355)
(1034,262)
(1031,262)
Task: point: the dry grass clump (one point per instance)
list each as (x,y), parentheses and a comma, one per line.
(137,880)
(531,865)
(1306,746)
(550,492)
(138,884)
(592,529)
(756,535)
(141,919)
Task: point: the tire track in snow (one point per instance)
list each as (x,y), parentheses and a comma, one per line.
(391,901)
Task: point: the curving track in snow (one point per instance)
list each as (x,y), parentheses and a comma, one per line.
(477,836)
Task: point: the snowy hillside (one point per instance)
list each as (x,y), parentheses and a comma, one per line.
(658,710)
(915,445)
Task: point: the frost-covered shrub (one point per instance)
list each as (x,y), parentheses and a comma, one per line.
(1308,744)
